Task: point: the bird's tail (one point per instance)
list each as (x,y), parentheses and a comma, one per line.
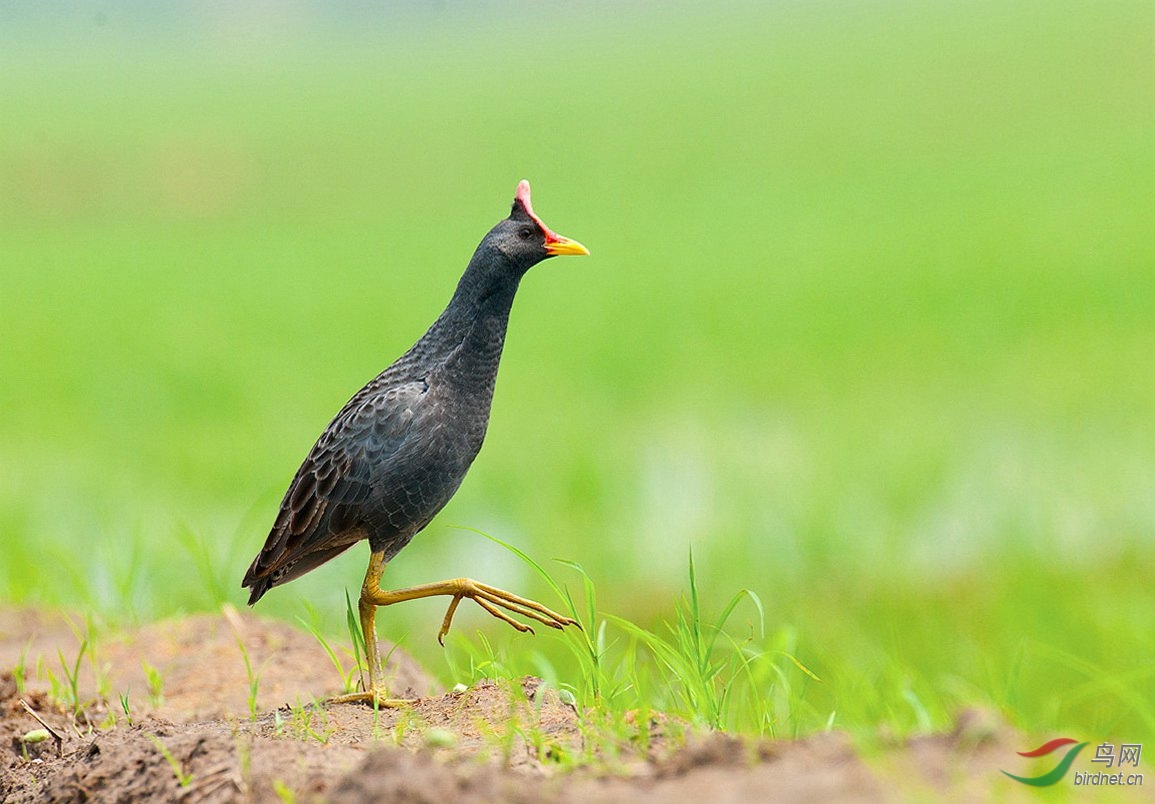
(257,588)
(262,577)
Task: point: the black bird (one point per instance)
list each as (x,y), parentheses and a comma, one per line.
(396,453)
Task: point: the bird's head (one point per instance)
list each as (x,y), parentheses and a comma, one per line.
(525,239)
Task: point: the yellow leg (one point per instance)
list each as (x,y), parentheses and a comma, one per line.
(375,692)
(490,598)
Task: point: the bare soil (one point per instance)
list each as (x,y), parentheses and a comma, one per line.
(197,740)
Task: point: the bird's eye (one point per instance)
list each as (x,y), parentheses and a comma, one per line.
(525,233)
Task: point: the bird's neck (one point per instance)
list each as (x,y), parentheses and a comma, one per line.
(470,334)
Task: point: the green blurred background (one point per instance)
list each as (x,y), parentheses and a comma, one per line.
(868,322)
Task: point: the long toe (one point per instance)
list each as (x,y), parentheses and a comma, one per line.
(483,593)
(377,698)
(521,605)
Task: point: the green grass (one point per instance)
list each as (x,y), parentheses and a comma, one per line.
(866,326)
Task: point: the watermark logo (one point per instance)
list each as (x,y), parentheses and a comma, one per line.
(1056,773)
(1128,754)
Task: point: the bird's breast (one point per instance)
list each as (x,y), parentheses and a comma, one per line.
(458,415)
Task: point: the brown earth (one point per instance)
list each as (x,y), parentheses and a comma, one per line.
(196,740)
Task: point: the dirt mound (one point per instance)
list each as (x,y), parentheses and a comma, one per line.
(492,742)
(192,668)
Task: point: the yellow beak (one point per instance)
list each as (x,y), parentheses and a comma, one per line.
(563,245)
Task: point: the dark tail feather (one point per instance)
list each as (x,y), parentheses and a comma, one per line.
(259,579)
(259,587)
(270,577)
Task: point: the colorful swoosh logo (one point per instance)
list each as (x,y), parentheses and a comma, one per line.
(1048,747)
(1056,773)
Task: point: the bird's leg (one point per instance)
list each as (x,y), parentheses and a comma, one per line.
(488,597)
(375,692)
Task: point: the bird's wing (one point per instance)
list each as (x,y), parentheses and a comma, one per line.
(336,478)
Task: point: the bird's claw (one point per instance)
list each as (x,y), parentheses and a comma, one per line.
(493,600)
(378,699)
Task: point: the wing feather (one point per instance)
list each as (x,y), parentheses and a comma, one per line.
(319,515)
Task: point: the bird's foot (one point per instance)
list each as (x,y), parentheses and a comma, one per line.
(378,699)
(493,600)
